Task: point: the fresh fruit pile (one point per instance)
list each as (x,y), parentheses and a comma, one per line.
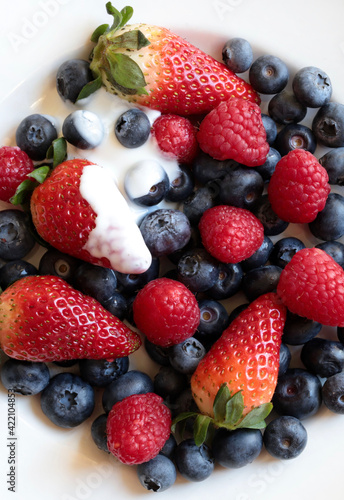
(205,280)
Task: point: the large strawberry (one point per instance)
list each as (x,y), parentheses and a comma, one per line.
(42,318)
(80,211)
(151,66)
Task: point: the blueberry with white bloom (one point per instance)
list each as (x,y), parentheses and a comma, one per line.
(83,129)
(146,183)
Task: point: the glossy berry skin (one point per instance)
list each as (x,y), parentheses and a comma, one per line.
(194,463)
(169,383)
(158,474)
(214,320)
(285,437)
(270,128)
(333,162)
(129,383)
(235,449)
(157,353)
(237,55)
(267,169)
(182,186)
(333,248)
(58,264)
(260,280)
(295,136)
(230,234)
(16,241)
(117,305)
(83,129)
(323,357)
(138,427)
(312,87)
(184,357)
(285,358)
(272,224)
(332,393)
(284,249)
(34,135)
(96,281)
(328,125)
(67,400)
(299,330)
(268,74)
(298,394)
(146,183)
(166,311)
(71,77)
(197,270)
(260,256)
(228,282)
(220,137)
(98,432)
(308,293)
(205,168)
(132,128)
(100,372)
(241,188)
(24,377)
(14,271)
(199,201)
(284,108)
(15,165)
(298,188)
(329,224)
(129,284)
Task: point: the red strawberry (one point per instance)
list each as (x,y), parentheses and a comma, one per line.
(66,220)
(246,357)
(153,67)
(312,286)
(138,427)
(42,318)
(15,165)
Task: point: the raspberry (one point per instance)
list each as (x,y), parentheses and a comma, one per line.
(298,188)
(234,131)
(14,167)
(166,312)
(230,234)
(176,136)
(312,286)
(138,427)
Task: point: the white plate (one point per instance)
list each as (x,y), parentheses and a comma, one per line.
(37,36)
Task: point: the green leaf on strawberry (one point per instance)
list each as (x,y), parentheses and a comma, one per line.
(57,151)
(25,188)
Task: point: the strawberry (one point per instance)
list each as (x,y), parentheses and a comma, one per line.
(42,318)
(151,66)
(15,166)
(66,220)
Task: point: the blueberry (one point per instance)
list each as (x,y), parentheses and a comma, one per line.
(284,108)
(169,383)
(169,447)
(195,463)
(35,135)
(323,357)
(24,377)
(146,183)
(273,225)
(228,282)
(270,128)
(158,474)
(241,188)
(98,432)
(101,372)
(83,129)
(328,125)
(334,249)
(117,305)
(205,168)
(268,74)
(284,359)
(198,270)
(132,128)
(260,256)
(132,283)
(132,382)
(184,357)
(298,330)
(329,223)
(267,169)
(333,162)
(295,136)
(157,353)
(14,271)
(237,55)
(16,240)
(284,250)
(96,281)
(71,77)
(214,320)
(199,201)
(260,280)
(298,393)
(181,187)
(67,400)
(333,393)
(165,231)
(59,264)
(235,449)
(236,311)
(285,437)
(312,87)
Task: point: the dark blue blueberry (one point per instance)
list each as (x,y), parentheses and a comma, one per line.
(71,77)
(340,334)
(132,128)
(285,437)
(241,188)
(66,363)
(158,474)
(298,330)
(14,271)
(182,186)
(333,162)
(260,280)
(298,393)
(199,201)
(228,282)
(295,136)
(59,264)
(195,241)
(100,372)
(236,311)
(284,359)
(334,249)
(185,402)
(328,125)
(270,128)
(323,357)
(96,281)
(195,463)
(260,256)
(157,353)
(169,383)
(117,305)
(235,449)
(214,320)
(169,447)
(273,225)
(267,169)
(16,240)
(35,135)
(268,74)
(206,169)
(165,231)
(132,382)
(329,223)
(333,393)
(184,357)
(284,250)
(129,284)
(98,432)
(67,400)
(237,55)
(146,183)
(198,270)
(284,108)
(24,377)
(312,87)
(83,129)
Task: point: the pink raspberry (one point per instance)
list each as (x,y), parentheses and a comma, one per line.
(14,167)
